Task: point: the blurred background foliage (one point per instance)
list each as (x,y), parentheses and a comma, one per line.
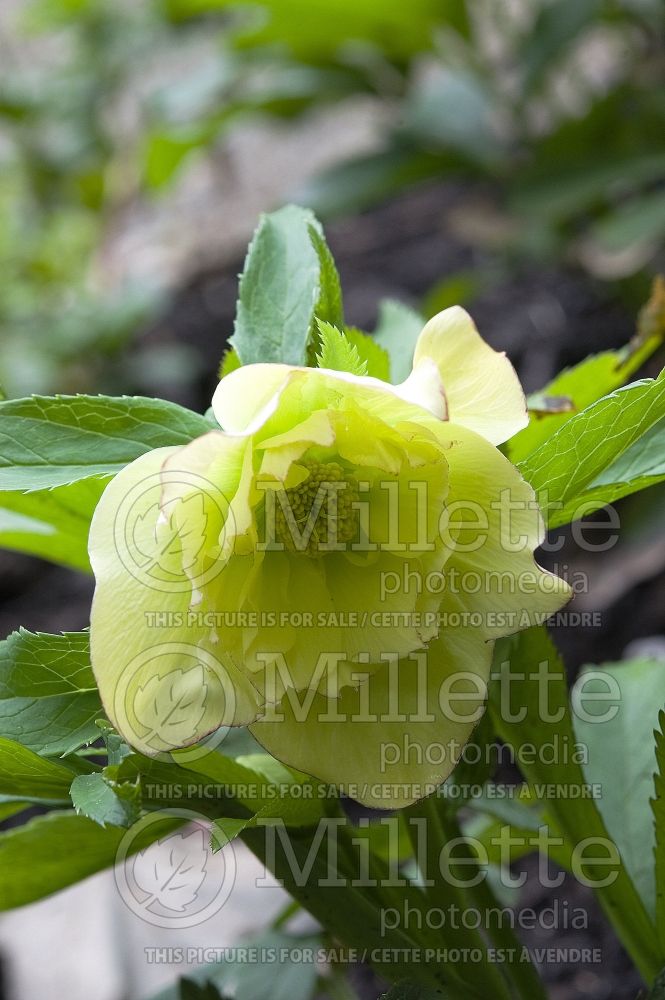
(551,113)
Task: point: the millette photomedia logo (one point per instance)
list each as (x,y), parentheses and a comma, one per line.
(167,873)
(172,694)
(169,531)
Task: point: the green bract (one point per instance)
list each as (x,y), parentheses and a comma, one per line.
(329,568)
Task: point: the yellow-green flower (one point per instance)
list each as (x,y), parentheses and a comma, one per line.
(330,567)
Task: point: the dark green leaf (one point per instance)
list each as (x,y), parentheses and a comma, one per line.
(24,774)
(53,524)
(556,28)
(397,332)
(10,807)
(116,748)
(367,180)
(270,788)
(370,353)
(53,851)
(316,33)
(658,809)
(345,910)
(48,696)
(293,979)
(528,670)
(105,801)
(612,448)
(280,288)
(657,991)
(412,991)
(593,378)
(454,109)
(190,990)
(49,441)
(621,761)
(642,219)
(329,307)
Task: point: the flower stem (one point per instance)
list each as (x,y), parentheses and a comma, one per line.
(517,977)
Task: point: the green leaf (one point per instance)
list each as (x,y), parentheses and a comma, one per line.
(454,109)
(337,352)
(474,768)
(352,185)
(230,361)
(527,671)
(658,809)
(226,829)
(370,353)
(621,760)
(657,992)
(613,448)
(53,524)
(454,290)
(54,851)
(48,441)
(263,785)
(165,152)
(48,696)
(642,219)
(166,785)
(584,180)
(287,977)
(330,306)
(294,979)
(188,989)
(347,911)
(10,807)
(593,378)
(24,774)
(397,332)
(316,33)
(116,748)
(105,801)
(280,289)
(412,991)
(556,28)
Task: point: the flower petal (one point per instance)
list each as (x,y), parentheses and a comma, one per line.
(493,524)
(162,678)
(481,388)
(394,739)
(246,398)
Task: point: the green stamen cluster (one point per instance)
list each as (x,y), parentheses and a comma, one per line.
(317,499)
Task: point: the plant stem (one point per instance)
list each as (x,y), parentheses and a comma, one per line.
(515,977)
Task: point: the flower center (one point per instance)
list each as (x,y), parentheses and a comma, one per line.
(318,515)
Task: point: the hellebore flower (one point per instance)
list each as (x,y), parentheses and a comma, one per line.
(330,567)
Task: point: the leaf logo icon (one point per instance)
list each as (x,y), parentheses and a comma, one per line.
(174,879)
(171,872)
(171,538)
(171,707)
(169,531)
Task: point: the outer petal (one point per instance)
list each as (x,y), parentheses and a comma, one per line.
(161,676)
(481,387)
(398,736)
(494,524)
(246,398)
